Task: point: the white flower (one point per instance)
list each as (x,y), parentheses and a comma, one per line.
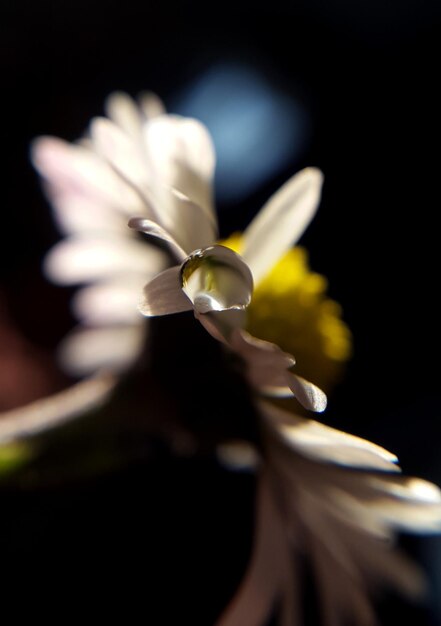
(160,167)
(217,283)
(336,498)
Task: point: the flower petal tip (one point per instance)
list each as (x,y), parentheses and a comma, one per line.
(309,395)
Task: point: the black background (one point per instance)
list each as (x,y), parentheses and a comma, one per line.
(370,75)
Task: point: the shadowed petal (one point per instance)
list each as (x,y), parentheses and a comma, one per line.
(163,295)
(262,584)
(220,324)
(281,222)
(266,363)
(149,227)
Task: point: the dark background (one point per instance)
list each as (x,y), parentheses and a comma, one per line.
(367,73)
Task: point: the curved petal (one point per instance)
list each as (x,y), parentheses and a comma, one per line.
(216,279)
(55,410)
(281,222)
(267,371)
(328,445)
(163,295)
(308,394)
(266,363)
(149,227)
(184,221)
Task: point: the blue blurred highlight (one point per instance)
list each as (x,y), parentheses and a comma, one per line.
(257,128)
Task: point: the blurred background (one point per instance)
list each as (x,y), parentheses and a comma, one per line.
(351,87)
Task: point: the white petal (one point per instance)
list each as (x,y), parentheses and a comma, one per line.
(238,455)
(183,156)
(78,260)
(111,302)
(323,443)
(308,394)
(281,222)
(77,171)
(163,295)
(57,409)
(122,109)
(150,104)
(412,489)
(190,224)
(255,350)
(149,227)
(124,154)
(266,363)
(113,348)
(379,563)
(75,215)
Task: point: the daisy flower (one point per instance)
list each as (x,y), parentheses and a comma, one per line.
(333,497)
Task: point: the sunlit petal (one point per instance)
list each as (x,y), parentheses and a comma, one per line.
(183,155)
(281,221)
(308,394)
(323,443)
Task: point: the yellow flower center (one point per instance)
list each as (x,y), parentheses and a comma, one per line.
(289,307)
